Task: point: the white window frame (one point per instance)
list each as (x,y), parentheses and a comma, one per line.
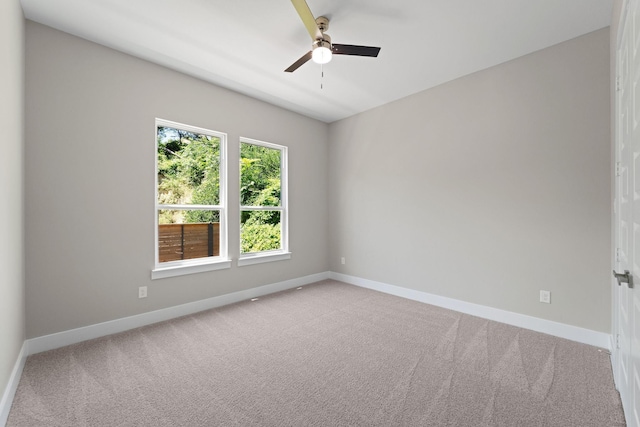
(278,254)
(196,265)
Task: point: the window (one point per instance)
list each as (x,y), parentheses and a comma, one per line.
(190,200)
(263,202)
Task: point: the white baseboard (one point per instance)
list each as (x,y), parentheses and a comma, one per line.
(12,386)
(73,336)
(573,333)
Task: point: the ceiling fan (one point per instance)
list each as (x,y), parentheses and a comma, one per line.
(322,49)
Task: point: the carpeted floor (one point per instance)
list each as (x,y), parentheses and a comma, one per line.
(328,354)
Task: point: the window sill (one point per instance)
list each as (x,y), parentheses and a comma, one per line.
(259,258)
(183,269)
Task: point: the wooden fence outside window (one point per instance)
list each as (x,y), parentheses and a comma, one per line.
(188,241)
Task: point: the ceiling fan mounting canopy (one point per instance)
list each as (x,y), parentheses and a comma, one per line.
(323,23)
(322,49)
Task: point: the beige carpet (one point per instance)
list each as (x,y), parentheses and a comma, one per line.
(328,354)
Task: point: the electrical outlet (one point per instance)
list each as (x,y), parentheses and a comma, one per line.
(545,297)
(142,292)
(343,261)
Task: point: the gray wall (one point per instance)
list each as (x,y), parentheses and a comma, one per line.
(90,160)
(486,189)
(11,187)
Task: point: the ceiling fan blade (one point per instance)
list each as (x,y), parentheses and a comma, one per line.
(350,49)
(299,62)
(307,18)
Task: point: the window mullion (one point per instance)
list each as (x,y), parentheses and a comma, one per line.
(192,207)
(262,208)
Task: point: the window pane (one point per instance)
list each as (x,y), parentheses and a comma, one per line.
(259,175)
(188,234)
(259,231)
(188,168)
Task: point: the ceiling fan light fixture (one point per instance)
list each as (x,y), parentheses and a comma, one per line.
(321,52)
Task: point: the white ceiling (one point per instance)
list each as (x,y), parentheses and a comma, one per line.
(245,45)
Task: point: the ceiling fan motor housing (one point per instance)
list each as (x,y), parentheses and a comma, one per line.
(325,41)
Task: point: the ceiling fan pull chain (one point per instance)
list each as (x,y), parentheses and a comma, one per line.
(321,76)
